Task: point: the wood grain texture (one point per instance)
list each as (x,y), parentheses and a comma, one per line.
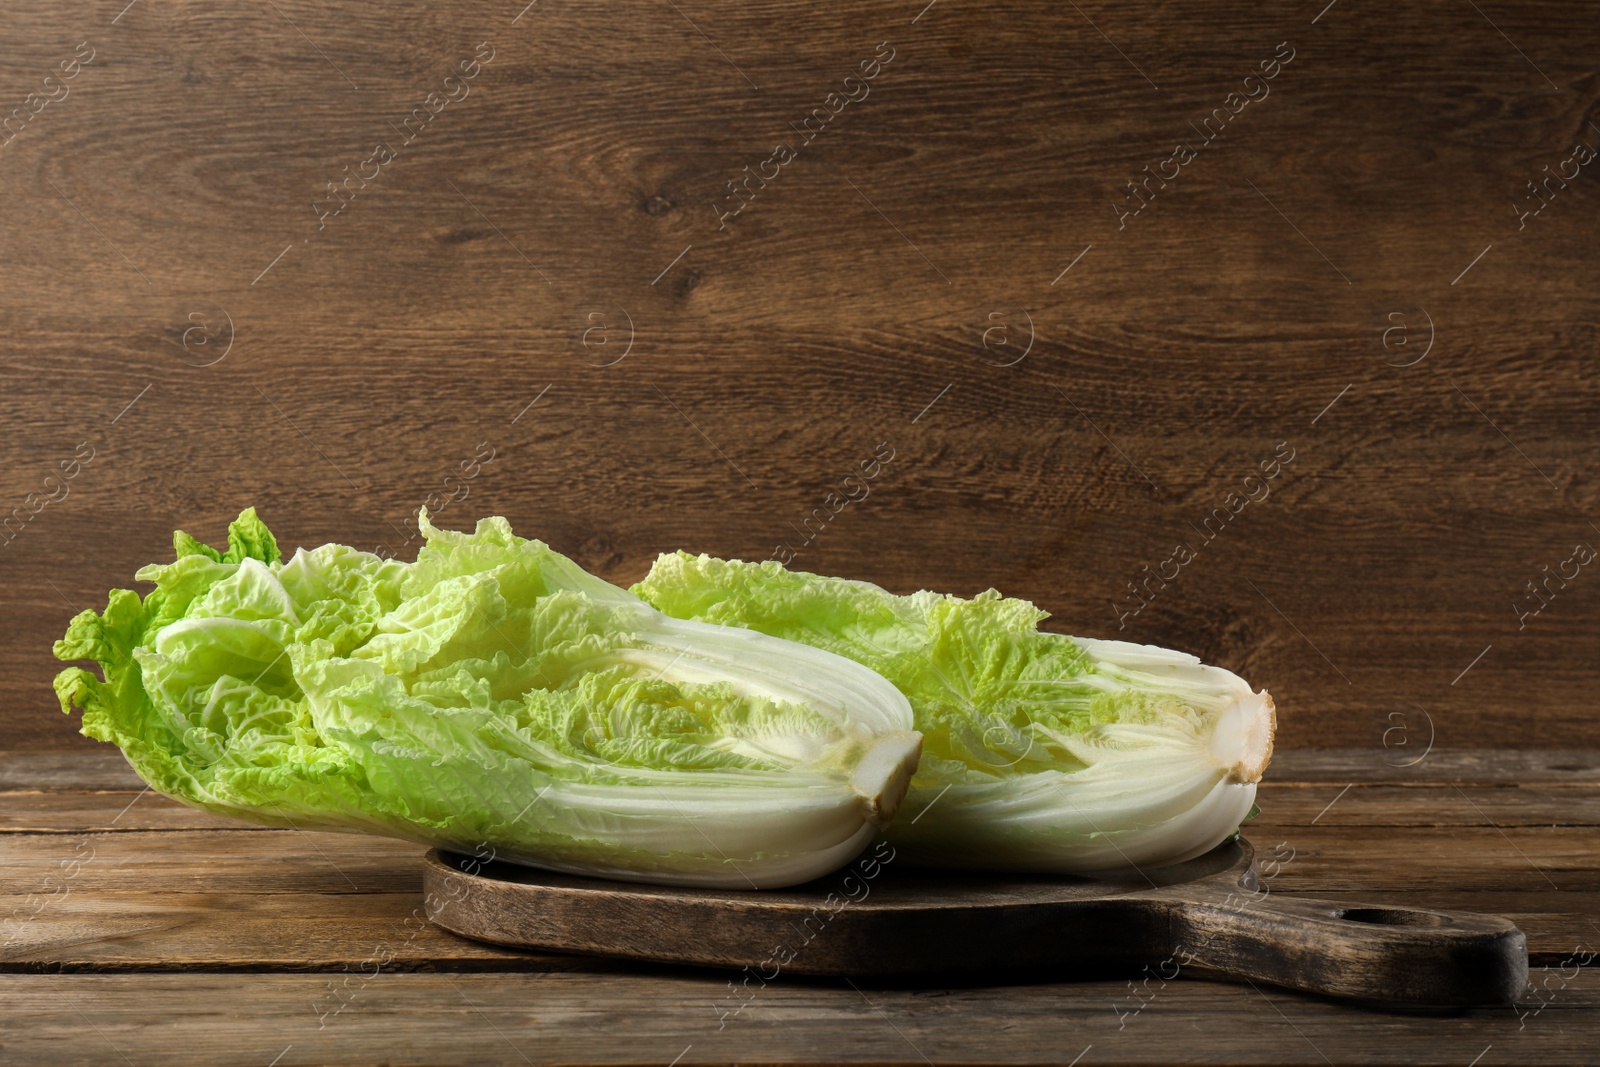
(650,1019)
(177,884)
(1414,763)
(1288,805)
(175,942)
(847,305)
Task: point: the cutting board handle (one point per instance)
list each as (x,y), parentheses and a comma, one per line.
(1374,952)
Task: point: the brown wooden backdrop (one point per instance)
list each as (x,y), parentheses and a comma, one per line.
(170,301)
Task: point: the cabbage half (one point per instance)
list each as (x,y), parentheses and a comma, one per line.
(1041,752)
(493,698)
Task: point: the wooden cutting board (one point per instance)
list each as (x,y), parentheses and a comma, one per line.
(878,917)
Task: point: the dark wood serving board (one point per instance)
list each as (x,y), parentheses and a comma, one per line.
(881,918)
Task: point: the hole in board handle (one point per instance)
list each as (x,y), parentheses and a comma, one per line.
(1391,917)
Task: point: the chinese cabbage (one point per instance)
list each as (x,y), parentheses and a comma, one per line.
(490,697)
(1042,752)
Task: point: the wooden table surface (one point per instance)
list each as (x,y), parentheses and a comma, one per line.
(266,254)
(141,931)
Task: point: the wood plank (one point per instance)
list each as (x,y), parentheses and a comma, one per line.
(580,1018)
(1287,809)
(154,899)
(96,766)
(1284,806)
(117,932)
(101,812)
(226,900)
(89,765)
(1339,858)
(1407,760)
(259,861)
(1485,852)
(1337,838)
(1545,806)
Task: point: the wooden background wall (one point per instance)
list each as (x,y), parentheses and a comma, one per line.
(172,302)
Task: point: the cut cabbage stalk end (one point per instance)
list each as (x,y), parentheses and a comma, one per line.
(1243,741)
(882,777)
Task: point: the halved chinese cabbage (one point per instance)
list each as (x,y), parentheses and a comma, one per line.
(494,698)
(1041,752)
